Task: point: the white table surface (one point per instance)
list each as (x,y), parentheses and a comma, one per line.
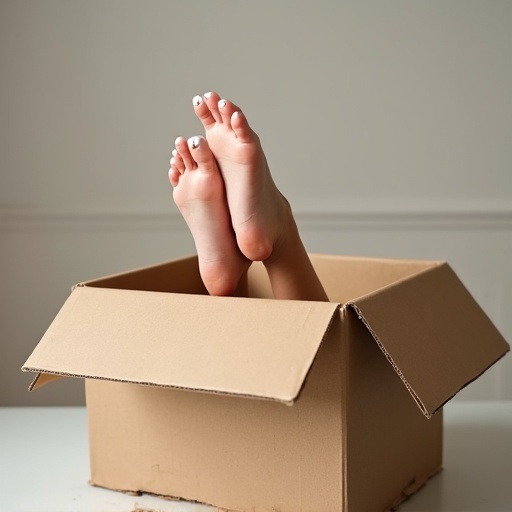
(44,465)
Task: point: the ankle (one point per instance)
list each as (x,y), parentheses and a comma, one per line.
(289,268)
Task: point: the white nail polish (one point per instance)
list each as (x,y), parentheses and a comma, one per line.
(177,140)
(172,161)
(207,95)
(197,100)
(194,142)
(174,152)
(222,104)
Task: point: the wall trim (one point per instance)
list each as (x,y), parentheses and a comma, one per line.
(406,220)
(20,221)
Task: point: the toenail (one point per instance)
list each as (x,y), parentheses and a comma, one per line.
(197,100)
(222,103)
(207,95)
(172,161)
(194,142)
(174,152)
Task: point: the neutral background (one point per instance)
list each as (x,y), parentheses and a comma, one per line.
(388,125)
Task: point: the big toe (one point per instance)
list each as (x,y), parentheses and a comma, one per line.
(202,153)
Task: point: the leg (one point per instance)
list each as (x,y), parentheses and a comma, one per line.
(261,217)
(200,197)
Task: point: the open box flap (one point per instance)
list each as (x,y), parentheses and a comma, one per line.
(433,333)
(249,347)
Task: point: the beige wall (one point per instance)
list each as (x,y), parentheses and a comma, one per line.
(386,124)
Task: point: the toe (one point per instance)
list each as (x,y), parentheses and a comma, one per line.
(177,162)
(226,109)
(202,111)
(241,127)
(202,154)
(174,176)
(212,101)
(184,152)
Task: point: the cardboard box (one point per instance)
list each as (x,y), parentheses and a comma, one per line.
(254,404)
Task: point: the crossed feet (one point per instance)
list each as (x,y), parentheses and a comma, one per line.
(226,194)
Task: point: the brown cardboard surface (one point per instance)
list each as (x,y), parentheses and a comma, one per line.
(434,334)
(346,278)
(224,450)
(177,276)
(178,340)
(353,440)
(392,447)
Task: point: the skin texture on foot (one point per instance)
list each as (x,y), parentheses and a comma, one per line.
(256,206)
(198,191)
(261,217)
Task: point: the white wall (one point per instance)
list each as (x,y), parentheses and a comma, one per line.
(386,124)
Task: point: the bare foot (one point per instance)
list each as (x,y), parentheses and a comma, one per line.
(199,195)
(258,210)
(261,217)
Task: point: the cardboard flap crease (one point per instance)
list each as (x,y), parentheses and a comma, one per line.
(353,441)
(433,333)
(183,341)
(429,327)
